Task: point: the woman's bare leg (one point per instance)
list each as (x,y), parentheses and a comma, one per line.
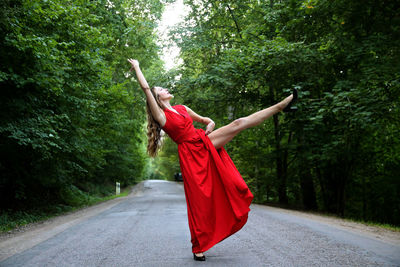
(223,135)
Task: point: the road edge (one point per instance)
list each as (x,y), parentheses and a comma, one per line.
(35,233)
(374,232)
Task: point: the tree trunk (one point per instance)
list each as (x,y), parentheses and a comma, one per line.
(342,174)
(236,23)
(309,198)
(307,190)
(279,170)
(322,185)
(285,162)
(364,200)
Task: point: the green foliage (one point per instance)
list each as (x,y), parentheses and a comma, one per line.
(340,152)
(72,124)
(10,219)
(72,196)
(69,118)
(166,164)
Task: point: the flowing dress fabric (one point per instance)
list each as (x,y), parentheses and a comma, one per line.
(217,197)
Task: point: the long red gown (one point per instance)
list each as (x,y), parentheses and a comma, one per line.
(217,197)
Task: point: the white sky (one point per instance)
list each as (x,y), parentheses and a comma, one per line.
(173,14)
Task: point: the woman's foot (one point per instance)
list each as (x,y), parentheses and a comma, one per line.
(289,107)
(199,256)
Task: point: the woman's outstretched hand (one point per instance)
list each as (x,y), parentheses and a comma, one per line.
(134,63)
(210,127)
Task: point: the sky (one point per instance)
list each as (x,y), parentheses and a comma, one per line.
(173,14)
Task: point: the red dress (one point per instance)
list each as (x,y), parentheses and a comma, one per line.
(217,197)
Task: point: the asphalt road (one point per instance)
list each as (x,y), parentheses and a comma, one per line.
(150,229)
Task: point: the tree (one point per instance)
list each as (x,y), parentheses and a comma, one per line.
(70,120)
(240,56)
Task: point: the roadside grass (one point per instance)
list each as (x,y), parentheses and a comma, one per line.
(10,219)
(394,228)
(386,226)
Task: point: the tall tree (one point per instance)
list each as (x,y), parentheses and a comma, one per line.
(334,154)
(70,120)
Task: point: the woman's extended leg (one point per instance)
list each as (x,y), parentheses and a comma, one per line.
(223,135)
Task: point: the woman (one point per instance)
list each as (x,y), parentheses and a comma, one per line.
(217,197)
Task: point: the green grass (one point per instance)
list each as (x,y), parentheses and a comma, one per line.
(386,226)
(12,219)
(357,220)
(124,193)
(376,224)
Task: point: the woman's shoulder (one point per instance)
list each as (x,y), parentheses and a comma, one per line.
(180,107)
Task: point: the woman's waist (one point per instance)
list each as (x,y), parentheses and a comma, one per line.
(192,136)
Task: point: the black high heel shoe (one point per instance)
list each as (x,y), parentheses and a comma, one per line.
(197,258)
(289,107)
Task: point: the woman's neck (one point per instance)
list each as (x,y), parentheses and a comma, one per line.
(166,104)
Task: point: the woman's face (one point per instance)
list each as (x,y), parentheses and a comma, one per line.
(163,93)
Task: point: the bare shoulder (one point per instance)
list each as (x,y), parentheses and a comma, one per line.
(190,111)
(187,108)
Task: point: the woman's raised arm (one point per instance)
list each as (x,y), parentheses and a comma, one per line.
(156,111)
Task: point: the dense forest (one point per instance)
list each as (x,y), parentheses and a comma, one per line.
(340,152)
(72,124)
(73,119)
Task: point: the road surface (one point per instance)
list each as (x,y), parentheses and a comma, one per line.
(149,228)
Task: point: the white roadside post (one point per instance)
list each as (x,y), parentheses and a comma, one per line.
(117,188)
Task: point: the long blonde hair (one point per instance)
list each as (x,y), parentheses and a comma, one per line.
(154,140)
